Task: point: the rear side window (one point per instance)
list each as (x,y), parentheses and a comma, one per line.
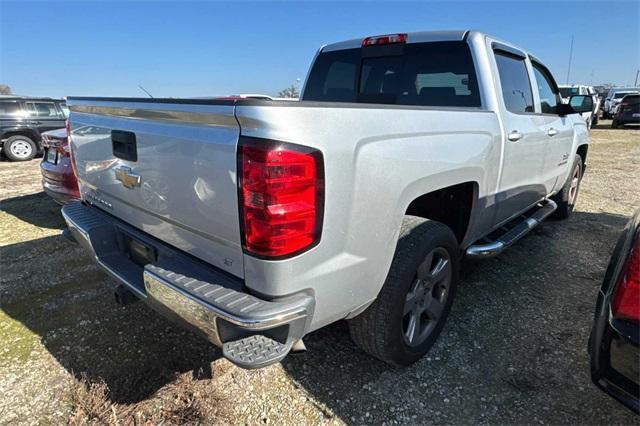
(514,79)
(43,109)
(428,74)
(9,108)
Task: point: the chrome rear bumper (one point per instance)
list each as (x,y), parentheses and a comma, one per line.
(252,332)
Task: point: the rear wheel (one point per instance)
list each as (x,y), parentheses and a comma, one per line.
(19,148)
(408,315)
(568,195)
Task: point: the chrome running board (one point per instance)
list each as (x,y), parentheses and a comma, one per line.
(507,235)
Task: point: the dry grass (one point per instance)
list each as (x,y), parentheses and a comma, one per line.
(183,401)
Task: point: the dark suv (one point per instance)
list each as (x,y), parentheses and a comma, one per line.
(23,119)
(627,112)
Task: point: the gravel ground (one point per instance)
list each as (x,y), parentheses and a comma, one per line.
(513,351)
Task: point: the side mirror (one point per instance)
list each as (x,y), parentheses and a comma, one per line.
(581,103)
(577,105)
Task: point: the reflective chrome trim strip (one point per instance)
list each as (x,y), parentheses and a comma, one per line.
(157,287)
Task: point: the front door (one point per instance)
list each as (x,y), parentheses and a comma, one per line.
(558,130)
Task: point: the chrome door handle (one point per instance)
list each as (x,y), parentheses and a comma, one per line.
(514,136)
(552,132)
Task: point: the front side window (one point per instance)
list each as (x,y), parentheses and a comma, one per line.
(426,74)
(548,96)
(514,79)
(43,109)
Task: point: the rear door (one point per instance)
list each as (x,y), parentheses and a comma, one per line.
(558,130)
(520,184)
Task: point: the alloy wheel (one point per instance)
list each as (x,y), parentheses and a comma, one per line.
(427,297)
(575,184)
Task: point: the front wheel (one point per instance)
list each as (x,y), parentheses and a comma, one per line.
(19,148)
(568,195)
(407,317)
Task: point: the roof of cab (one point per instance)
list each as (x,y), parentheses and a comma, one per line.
(415,37)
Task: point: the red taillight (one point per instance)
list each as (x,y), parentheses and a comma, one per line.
(69,150)
(384,39)
(63,147)
(626,300)
(281,197)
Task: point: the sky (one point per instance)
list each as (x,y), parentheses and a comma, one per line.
(190,49)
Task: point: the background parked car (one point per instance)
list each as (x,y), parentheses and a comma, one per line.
(627,111)
(615,336)
(23,120)
(591,118)
(58,179)
(615,97)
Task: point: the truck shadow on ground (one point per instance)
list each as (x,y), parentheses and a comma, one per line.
(36,209)
(514,343)
(135,351)
(72,313)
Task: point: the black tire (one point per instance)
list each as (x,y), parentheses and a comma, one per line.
(20,148)
(380,329)
(568,195)
(594,120)
(616,125)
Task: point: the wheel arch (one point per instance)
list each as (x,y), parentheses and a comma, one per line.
(582,152)
(453,205)
(30,133)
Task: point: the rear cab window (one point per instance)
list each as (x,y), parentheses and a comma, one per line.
(567,92)
(631,99)
(423,74)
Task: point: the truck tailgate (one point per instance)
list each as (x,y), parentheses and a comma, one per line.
(166,167)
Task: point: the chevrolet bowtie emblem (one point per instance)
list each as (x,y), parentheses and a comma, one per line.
(127,177)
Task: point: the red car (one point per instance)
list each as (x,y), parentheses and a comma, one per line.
(58,179)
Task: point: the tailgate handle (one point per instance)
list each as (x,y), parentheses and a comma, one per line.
(124,145)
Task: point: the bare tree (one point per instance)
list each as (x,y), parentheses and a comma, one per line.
(4,89)
(289,92)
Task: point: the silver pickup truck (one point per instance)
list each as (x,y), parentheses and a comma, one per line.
(256,222)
